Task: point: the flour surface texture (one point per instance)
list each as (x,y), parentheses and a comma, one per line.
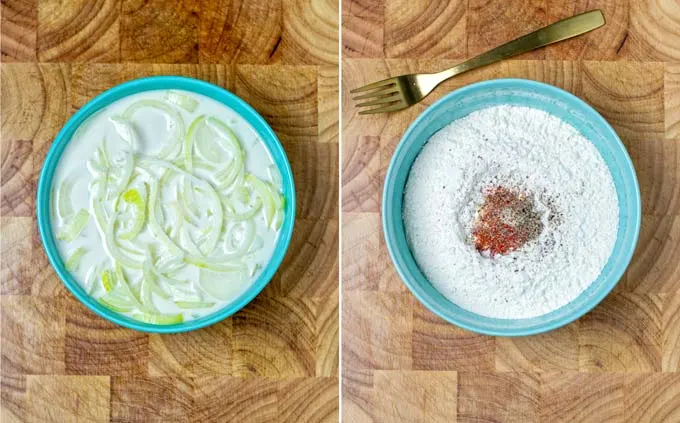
(543,158)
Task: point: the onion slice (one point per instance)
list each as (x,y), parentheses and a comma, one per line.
(182,100)
(73,261)
(75,226)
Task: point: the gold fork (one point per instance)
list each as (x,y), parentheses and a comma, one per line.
(400,92)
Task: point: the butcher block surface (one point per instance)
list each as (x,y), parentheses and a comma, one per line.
(276,359)
(618,363)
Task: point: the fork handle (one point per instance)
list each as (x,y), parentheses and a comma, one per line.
(559,31)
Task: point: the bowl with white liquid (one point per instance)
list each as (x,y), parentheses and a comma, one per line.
(511,208)
(166,204)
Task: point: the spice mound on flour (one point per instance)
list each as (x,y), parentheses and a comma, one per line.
(505,222)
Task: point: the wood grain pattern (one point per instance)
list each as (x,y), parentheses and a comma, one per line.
(308,400)
(154,32)
(313,271)
(415,396)
(33,331)
(672,100)
(19,27)
(204,353)
(78,399)
(654,31)
(492,24)
(363,30)
(506,397)
(13,399)
(554,351)
(623,334)
(239,31)
(616,364)
(310,32)
(327,336)
(376,330)
(670,342)
(95,346)
(328,91)
(78,31)
(629,95)
(277,359)
(287,100)
(652,398)
(445,22)
(604,44)
(135,399)
(15,274)
(360,174)
(275,337)
(439,346)
(582,397)
(361,242)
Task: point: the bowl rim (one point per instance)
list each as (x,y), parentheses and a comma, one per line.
(151,83)
(482,328)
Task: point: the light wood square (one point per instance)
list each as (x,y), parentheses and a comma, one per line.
(77,399)
(360,251)
(155,399)
(252,399)
(244,32)
(506,397)
(377,330)
(415,396)
(32,335)
(581,397)
(361,181)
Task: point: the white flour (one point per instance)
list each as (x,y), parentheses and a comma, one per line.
(541,156)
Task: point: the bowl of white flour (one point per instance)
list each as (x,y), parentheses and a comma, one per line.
(511,208)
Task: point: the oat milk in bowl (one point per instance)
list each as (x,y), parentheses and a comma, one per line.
(510,208)
(167,207)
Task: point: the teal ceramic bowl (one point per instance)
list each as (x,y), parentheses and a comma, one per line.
(521,93)
(161,83)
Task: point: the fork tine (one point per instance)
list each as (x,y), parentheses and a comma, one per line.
(395,96)
(383,83)
(388,89)
(385,109)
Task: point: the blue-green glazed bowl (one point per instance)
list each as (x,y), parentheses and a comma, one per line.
(521,93)
(161,83)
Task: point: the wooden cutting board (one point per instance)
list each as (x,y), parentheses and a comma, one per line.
(619,363)
(275,360)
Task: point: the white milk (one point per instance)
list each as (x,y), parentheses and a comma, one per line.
(150,126)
